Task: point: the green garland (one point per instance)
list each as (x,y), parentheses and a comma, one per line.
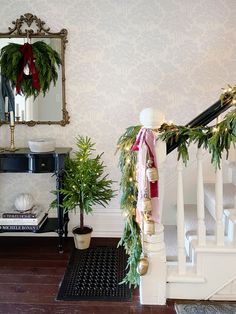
(130,240)
(216,139)
(228,96)
(46,62)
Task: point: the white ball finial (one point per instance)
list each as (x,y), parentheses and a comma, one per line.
(151,118)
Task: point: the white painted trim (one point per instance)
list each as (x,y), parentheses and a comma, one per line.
(189,277)
(220,288)
(211,247)
(224,297)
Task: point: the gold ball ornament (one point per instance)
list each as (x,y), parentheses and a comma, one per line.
(143,264)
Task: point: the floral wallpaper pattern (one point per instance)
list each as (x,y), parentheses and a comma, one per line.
(123,56)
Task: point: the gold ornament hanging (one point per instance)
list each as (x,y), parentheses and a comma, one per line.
(152,174)
(143,264)
(146,204)
(148,227)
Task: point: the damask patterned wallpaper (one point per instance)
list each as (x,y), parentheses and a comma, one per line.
(122,56)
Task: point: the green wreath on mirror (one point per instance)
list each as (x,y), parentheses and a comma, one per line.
(39,59)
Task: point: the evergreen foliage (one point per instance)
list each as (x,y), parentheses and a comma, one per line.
(216,139)
(47,62)
(84,182)
(130,240)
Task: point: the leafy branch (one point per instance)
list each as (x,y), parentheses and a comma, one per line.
(216,139)
(130,240)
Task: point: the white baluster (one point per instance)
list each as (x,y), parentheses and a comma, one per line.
(180,221)
(219,207)
(219,201)
(201,229)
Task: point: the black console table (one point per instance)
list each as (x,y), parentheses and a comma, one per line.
(23,160)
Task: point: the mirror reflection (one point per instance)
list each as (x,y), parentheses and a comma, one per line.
(44,109)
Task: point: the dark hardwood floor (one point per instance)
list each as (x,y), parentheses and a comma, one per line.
(31,270)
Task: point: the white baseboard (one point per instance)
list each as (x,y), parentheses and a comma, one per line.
(106,223)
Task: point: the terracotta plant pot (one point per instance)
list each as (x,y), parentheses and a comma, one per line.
(82,237)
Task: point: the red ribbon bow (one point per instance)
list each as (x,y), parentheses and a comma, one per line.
(27,58)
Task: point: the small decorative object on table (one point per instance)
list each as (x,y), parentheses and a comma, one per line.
(42,145)
(12,147)
(24,202)
(25,216)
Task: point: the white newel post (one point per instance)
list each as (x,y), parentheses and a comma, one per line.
(153,283)
(180,221)
(200,201)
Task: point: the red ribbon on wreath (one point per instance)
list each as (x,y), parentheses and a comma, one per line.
(27,58)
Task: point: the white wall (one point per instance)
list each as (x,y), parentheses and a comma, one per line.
(124,55)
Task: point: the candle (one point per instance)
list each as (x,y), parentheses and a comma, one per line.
(12,122)
(6,104)
(17,110)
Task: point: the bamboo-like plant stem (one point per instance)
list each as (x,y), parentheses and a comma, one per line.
(81,220)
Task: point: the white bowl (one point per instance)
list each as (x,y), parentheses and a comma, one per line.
(41,145)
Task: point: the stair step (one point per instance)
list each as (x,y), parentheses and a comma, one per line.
(170,231)
(229,192)
(170,238)
(191,223)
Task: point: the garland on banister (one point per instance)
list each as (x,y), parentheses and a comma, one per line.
(130,240)
(216,139)
(228,96)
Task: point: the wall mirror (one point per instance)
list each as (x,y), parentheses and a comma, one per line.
(48,109)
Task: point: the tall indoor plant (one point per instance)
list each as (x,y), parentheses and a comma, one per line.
(85,185)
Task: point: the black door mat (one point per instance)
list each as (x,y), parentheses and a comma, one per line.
(95,274)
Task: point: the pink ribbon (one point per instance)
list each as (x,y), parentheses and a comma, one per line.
(145,145)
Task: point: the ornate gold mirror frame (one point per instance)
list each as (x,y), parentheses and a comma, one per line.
(35,28)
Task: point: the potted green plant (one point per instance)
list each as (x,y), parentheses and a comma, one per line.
(85,185)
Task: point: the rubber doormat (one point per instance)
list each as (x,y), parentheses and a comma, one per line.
(95,274)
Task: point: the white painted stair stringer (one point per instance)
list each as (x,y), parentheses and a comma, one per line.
(215,266)
(226,292)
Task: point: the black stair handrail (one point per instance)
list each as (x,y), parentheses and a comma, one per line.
(204,118)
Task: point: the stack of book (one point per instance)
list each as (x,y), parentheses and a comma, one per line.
(31,220)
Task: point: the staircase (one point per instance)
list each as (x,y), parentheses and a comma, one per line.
(196,258)
(201,249)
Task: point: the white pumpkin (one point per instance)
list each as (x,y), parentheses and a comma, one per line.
(24,201)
